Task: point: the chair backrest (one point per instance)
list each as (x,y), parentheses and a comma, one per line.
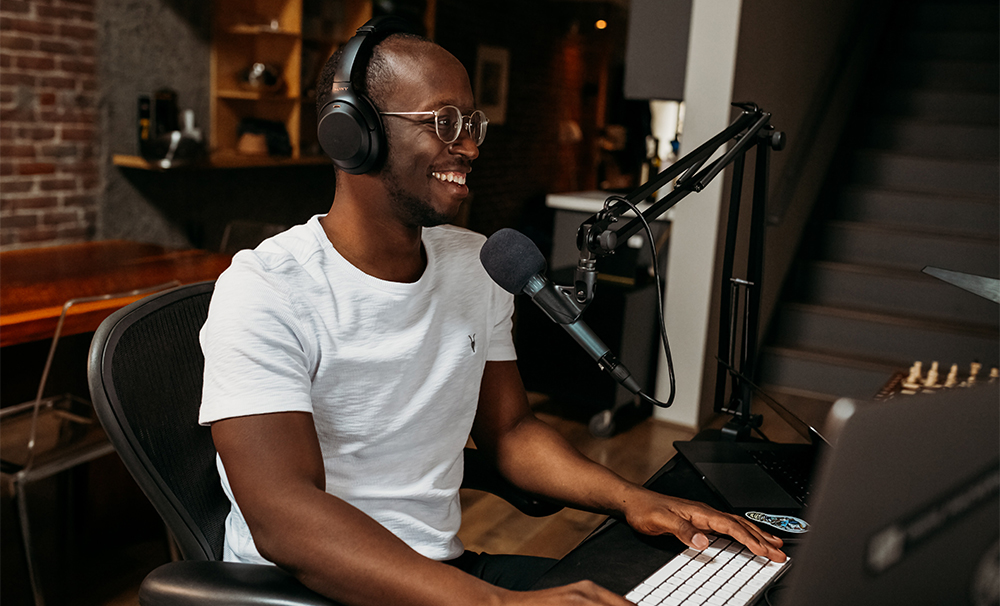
(145,375)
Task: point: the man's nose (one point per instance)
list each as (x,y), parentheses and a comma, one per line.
(465,145)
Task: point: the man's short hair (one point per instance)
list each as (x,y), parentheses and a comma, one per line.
(378,80)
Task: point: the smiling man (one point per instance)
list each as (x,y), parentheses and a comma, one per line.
(349,359)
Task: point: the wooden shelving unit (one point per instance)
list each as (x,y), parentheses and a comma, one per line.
(245,33)
(296,37)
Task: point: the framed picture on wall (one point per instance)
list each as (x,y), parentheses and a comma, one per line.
(492,68)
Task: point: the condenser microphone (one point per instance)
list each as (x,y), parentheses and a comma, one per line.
(517,266)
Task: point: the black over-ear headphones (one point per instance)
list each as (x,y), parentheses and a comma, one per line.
(348,126)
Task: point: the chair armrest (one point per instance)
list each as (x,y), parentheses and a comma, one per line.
(481,475)
(209,583)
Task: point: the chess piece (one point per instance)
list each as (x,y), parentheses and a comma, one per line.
(994,374)
(913,382)
(952,379)
(931,382)
(974,369)
(973,372)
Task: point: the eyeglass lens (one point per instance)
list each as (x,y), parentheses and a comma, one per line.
(449,123)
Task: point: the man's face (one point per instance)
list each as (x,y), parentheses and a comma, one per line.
(423,176)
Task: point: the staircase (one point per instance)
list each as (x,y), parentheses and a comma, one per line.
(922,188)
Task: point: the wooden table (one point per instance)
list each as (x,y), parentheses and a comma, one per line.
(36,282)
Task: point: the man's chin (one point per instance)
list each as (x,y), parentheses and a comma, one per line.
(434,217)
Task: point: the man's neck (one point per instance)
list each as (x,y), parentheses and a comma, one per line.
(374,242)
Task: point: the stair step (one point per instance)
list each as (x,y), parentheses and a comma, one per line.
(824,375)
(950,45)
(935,138)
(879,245)
(974,215)
(923,192)
(942,105)
(980,76)
(888,291)
(877,336)
(902,171)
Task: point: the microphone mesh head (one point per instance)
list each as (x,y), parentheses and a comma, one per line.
(511,258)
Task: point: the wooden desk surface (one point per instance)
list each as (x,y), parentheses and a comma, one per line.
(36,282)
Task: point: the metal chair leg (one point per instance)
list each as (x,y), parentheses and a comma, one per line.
(29,555)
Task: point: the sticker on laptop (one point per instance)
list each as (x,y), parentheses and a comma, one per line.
(784,523)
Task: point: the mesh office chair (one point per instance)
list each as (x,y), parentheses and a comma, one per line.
(145,376)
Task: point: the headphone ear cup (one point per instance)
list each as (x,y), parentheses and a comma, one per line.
(350,131)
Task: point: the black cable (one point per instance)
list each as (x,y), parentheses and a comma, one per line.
(659,304)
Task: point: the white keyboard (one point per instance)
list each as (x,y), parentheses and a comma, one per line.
(724,574)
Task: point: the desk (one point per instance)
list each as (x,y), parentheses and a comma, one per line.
(617,557)
(34,283)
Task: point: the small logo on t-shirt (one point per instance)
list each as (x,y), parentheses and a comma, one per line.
(472,342)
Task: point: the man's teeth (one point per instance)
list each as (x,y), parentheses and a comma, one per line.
(451,177)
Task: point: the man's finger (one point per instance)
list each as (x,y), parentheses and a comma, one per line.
(746,533)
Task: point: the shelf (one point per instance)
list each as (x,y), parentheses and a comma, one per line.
(249,95)
(221,160)
(253,30)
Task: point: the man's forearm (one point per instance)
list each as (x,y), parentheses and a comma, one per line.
(338,551)
(536,458)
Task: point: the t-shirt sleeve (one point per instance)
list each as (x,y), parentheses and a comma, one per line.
(502,339)
(257,358)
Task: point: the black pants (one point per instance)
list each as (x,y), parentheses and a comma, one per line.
(514,572)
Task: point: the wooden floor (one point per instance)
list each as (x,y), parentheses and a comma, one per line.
(492,525)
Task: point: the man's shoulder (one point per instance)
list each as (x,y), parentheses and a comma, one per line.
(289,253)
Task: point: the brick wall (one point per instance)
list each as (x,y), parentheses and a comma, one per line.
(49,136)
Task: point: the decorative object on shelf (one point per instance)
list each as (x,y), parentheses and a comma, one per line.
(144,123)
(252,131)
(262,78)
(182,146)
(163,140)
(252,144)
(164,111)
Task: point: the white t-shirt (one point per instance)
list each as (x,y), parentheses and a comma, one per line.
(389,371)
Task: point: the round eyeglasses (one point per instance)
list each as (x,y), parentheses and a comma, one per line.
(448,123)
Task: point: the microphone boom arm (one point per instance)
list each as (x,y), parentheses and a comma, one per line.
(595,235)
(596,238)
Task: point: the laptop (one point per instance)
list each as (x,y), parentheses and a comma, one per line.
(907,511)
(760,476)
(907,507)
